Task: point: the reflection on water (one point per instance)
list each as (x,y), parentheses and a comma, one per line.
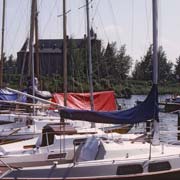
(168,122)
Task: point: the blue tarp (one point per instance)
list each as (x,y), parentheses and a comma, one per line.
(145,111)
(7,95)
(10,96)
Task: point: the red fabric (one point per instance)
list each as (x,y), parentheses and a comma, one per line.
(103,101)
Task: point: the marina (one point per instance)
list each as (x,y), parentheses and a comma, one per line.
(63,121)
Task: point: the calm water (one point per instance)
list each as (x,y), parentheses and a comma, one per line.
(168,122)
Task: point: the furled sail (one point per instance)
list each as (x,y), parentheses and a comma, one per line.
(145,111)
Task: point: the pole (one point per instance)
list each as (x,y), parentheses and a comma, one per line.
(90,60)
(31,49)
(155,41)
(155,140)
(34,97)
(2,45)
(64,52)
(37,43)
(31,39)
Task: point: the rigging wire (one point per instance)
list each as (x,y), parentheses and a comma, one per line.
(114,19)
(18,15)
(49,18)
(160,23)
(132,28)
(15,35)
(96,9)
(103,27)
(148,36)
(132,34)
(81,21)
(39,7)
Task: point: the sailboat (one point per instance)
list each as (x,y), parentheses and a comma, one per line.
(18,123)
(113,158)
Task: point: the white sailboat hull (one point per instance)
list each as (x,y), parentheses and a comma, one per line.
(101,171)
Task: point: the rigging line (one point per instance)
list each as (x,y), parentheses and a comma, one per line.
(92,16)
(160,22)
(15,35)
(114,19)
(50,16)
(26,16)
(12,22)
(17,13)
(132,36)
(81,25)
(148,28)
(96,9)
(103,28)
(132,28)
(27,12)
(38,9)
(58,22)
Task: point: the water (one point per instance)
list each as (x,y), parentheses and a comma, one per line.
(168,121)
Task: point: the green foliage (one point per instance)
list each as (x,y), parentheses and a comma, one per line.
(177,68)
(111,68)
(144,69)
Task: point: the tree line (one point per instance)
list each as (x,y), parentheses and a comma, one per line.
(111,67)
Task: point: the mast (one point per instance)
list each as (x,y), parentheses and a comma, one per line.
(90,60)
(37,43)
(64,53)
(31,48)
(31,39)
(155,42)
(155,63)
(2,45)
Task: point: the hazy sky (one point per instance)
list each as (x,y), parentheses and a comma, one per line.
(124,21)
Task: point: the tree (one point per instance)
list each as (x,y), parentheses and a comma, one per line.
(10,65)
(177,68)
(143,69)
(115,64)
(122,65)
(165,67)
(108,61)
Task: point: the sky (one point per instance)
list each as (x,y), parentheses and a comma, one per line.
(127,22)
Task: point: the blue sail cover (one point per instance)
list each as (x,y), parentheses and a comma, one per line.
(7,95)
(145,111)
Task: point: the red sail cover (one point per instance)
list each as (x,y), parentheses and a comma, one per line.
(103,101)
